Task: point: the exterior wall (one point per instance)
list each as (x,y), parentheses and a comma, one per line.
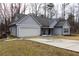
(60,31)
(57,31)
(28,27)
(67,33)
(13,30)
(67,27)
(27,32)
(53,24)
(29,22)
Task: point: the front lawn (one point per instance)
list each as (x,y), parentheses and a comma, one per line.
(30,48)
(71,37)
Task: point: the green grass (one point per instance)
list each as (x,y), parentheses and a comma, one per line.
(30,48)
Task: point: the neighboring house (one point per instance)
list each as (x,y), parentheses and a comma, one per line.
(31,25)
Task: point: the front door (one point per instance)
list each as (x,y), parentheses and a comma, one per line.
(46,31)
(51,31)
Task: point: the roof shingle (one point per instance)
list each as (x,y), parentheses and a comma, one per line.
(45,22)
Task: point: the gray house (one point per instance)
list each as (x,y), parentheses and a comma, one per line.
(31,25)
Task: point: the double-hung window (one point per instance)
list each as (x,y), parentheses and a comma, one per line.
(65,30)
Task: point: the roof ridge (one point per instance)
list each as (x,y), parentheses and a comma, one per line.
(20,18)
(35,20)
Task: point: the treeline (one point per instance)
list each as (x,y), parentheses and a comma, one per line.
(50,10)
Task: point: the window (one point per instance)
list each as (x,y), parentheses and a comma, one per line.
(65,30)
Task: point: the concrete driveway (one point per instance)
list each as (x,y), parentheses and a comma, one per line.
(61,43)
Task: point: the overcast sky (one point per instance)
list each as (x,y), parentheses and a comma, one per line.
(58,6)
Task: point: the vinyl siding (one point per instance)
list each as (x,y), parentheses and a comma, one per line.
(13,30)
(57,31)
(28,27)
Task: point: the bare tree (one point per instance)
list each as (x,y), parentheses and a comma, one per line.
(45,9)
(72,19)
(63,9)
(51,10)
(35,8)
(9,11)
(78,12)
(56,11)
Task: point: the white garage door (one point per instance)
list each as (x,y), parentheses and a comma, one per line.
(57,31)
(26,32)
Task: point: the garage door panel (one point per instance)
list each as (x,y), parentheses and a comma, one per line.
(24,32)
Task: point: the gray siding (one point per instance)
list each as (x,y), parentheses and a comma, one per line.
(66,25)
(29,22)
(28,27)
(13,30)
(53,24)
(67,33)
(57,31)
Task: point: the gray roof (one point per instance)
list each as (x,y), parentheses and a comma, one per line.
(19,16)
(45,22)
(61,23)
(42,20)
